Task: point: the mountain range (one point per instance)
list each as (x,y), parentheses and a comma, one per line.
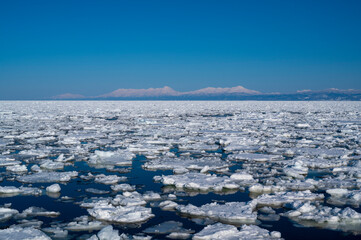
(211,93)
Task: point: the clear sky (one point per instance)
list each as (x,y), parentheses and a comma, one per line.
(90,47)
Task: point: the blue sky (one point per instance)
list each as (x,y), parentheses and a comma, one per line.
(94,47)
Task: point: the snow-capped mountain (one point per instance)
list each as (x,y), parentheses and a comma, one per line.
(212,93)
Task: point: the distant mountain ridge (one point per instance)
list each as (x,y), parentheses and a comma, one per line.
(150,92)
(68,96)
(212,93)
(167,91)
(217,91)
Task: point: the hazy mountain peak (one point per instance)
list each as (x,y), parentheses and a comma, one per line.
(232,90)
(68,96)
(304,91)
(150,92)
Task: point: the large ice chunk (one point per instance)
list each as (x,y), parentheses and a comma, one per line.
(108,159)
(230,212)
(279,198)
(37,211)
(10,191)
(253,157)
(228,232)
(107,233)
(23,234)
(47,177)
(109,179)
(168,227)
(341,196)
(54,188)
(120,214)
(17,168)
(129,199)
(200,182)
(5,161)
(7,213)
(167,163)
(309,214)
(51,165)
(84,223)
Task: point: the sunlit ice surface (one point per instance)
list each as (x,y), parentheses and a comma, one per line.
(180,170)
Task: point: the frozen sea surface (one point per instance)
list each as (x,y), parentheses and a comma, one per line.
(180,170)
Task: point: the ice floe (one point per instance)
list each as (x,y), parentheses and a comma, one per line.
(222,232)
(280,198)
(253,157)
(128,199)
(341,197)
(51,165)
(4,162)
(120,214)
(109,179)
(107,233)
(7,213)
(200,182)
(184,164)
(17,168)
(55,188)
(84,223)
(47,177)
(108,159)
(315,215)
(56,232)
(168,205)
(37,211)
(124,187)
(10,191)
(23,233)
(169,227)
(230,212)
